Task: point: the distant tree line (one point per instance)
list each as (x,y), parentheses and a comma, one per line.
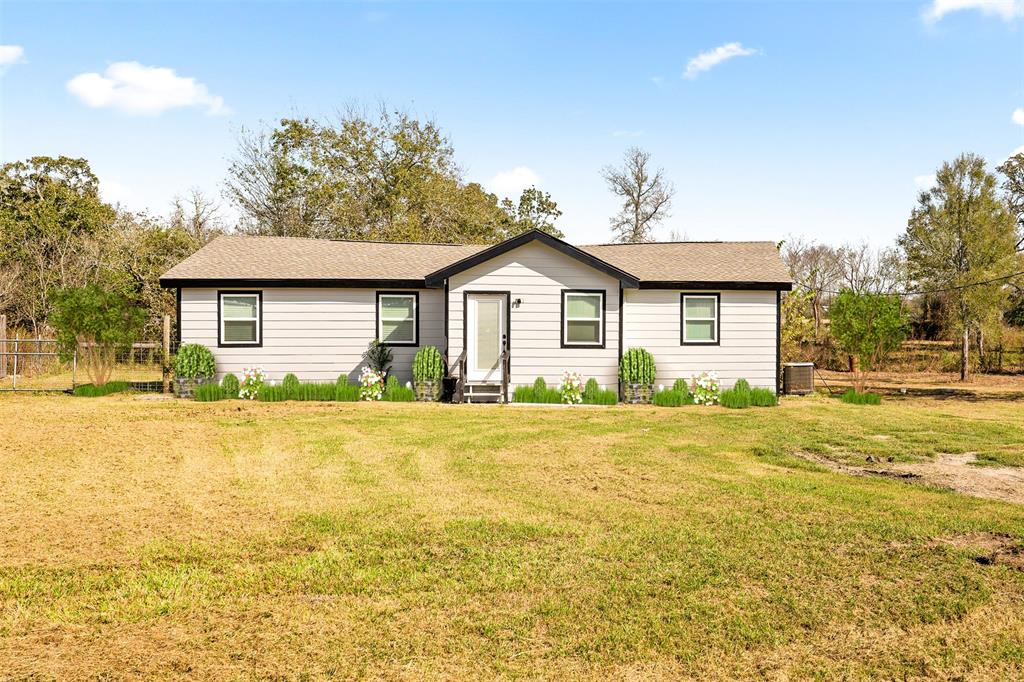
(958,268)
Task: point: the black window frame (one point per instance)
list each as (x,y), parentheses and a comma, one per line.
(683,295)
(221,343)
(564,322)
(415,314)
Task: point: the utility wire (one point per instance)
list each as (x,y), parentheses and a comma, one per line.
(923,291)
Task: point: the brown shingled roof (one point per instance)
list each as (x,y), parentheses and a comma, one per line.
(290,259)
(752,262)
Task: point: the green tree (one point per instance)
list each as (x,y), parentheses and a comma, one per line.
(868,327)
(97,323)
(536,210)
(1012,171)
(797,328)
(386,176)
(962,238)
(52,228)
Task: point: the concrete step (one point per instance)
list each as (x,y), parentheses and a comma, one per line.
(482,393)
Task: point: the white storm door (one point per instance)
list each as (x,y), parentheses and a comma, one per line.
(485,326)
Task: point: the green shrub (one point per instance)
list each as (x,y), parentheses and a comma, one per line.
(194,361)
(591,387)
(397,393)
(428,365)
(855,398)
(734,399)
(230,385)
(741,385)
(290,383)
(378,357)
(672,398)
(302,391)
(637,367)
(540,385)
(93,391)
(208,393)
(107,321)
(763,397)
(599,397)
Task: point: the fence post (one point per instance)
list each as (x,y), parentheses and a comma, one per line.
(166,360)
(14,377)
(3,346)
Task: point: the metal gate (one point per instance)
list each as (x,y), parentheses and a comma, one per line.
(33,364)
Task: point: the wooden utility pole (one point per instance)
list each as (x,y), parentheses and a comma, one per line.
(167,354)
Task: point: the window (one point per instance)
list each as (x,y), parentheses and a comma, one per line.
(700,319)
(583,318)
(240,317)
(398,318)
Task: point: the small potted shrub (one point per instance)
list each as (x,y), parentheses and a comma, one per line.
(636,372)
(194,365)
(427,372)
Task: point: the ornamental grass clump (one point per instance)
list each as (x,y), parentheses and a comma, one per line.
(571,388)
(96,391)
(733,398)
(208,393)
(854,398)
(672,398)
(253,378)
(371,384)
(763,397)
(705,388)
(594,394)
(396,393)
(537,393)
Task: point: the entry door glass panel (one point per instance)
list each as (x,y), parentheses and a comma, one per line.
(485,329)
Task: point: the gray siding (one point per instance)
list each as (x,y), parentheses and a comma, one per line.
(747,341)
(537,274)
(316,334)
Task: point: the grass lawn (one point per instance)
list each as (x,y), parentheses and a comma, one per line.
(237,540)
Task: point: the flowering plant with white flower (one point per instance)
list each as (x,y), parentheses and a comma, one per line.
(371,384)
(705,388)
(571,388)
(252,379)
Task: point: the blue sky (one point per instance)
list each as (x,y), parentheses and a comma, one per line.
(822,122)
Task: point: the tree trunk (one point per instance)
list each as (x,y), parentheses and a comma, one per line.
(965,349)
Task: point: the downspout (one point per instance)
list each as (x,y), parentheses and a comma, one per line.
(622,324)
(778,341)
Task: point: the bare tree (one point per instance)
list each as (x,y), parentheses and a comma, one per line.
(815,267)
(646,196)
(198,215)
(866,270)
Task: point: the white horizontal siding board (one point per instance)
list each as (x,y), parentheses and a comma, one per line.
(747,337)
(538,274)
(317,334)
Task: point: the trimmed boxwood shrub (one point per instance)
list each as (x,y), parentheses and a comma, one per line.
(290,383)
(229,384)
(593,395)
(851,396)
(539,384)
(741,385)
(194,361)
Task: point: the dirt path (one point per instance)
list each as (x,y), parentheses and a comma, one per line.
(952,472)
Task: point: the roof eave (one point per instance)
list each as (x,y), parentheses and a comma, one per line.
(308,282)
(706,285)
(438,277)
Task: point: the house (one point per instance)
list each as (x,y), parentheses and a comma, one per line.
(311,306)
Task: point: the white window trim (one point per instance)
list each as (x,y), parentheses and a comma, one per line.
(713,319)
(566,319)
(380,319)
(222,341)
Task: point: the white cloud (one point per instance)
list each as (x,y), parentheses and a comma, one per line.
(136,89)
(1007,10)
(10,55)
(924,182)
(627,133)
(1018,116)
(511,183)
(707,60)
(114,192)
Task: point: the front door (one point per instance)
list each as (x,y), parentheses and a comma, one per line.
(485,329)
